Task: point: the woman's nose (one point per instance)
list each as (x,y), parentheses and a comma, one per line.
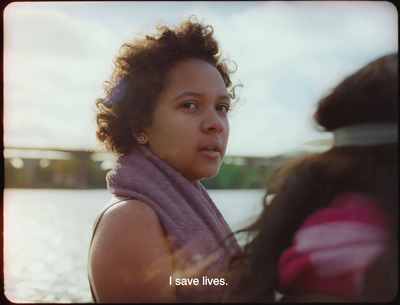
(213,122)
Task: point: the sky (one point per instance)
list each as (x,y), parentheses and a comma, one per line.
(289,55)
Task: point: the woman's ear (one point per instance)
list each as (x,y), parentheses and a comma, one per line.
(140,135)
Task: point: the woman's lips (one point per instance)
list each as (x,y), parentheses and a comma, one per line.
(212,150)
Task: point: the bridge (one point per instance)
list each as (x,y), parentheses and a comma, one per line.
(29,157)
(29,162)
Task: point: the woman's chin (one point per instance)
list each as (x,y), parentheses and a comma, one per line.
(210,174)
(204,175)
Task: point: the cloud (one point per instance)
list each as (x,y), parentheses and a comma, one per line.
(54,67)
(289,54)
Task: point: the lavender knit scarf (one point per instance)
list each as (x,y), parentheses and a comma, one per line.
(185,210)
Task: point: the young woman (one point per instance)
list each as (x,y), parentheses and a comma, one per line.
(165,115)
(330,232)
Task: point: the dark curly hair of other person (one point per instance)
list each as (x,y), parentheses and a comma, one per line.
(305,184)
(140,74)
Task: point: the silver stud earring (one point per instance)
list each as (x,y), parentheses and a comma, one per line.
(141,139)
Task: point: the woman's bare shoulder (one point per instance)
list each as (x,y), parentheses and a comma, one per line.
(128,208)
(126,217)
(129,239)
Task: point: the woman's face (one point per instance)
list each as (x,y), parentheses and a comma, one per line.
(190,128)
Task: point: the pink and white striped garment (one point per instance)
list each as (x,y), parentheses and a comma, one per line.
(334,247)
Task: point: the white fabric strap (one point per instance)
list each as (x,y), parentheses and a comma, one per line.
(366,134)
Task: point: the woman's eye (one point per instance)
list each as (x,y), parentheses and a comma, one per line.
(223,108)
(189,105)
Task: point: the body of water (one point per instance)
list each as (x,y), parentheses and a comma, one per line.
(47,235)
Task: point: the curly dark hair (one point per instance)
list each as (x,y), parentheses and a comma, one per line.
(140,72)
(311,182)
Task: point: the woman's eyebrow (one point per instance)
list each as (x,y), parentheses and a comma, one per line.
(187,93)
(192,93)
